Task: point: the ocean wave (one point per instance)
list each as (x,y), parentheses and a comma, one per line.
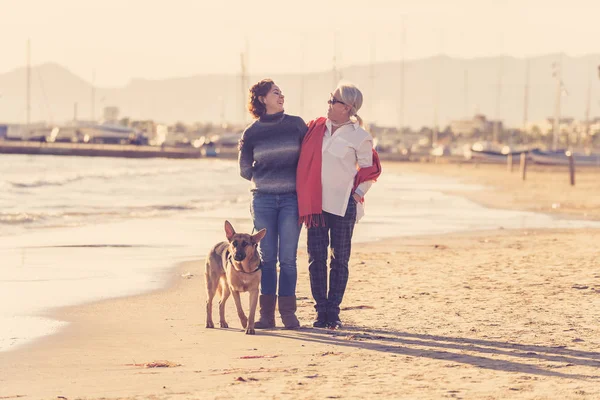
(174,207)
(81,217)
(166,209)
(65,180)
(18,218)
(45,182)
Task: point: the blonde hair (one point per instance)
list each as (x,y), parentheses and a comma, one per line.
(353,97)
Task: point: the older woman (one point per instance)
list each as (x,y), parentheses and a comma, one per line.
(337,167)
(268,157)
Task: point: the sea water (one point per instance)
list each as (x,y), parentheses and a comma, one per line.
(76,229)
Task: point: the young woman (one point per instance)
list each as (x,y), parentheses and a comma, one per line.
(336,169)
(268,158)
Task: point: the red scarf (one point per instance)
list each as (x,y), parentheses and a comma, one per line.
(308,175)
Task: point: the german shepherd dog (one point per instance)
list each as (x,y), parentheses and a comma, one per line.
(233,267)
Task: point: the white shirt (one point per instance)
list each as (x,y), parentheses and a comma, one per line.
(344,153)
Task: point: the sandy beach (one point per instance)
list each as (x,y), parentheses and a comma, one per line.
(474,315)
(545,189)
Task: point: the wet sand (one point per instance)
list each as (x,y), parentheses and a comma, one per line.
(545,189)
(477,315)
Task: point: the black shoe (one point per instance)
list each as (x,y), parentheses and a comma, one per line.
(321,321)
(333,321)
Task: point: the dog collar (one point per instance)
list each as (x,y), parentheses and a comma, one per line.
(229,260)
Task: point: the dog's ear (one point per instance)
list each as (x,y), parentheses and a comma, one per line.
(229,231)
(258,236)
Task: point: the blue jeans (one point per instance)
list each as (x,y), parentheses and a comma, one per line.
(279,214)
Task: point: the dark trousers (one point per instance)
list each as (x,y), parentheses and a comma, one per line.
(338,231)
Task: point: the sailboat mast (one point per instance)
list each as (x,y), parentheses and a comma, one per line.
(402,70)
(372,79)
(556,126)
(28,87)
(466,105)
(303,79)
(526,98)
(93,96)
(498,100)
(243,85)
(436,103)
(335,72)
(437,95)
(244,79)
(588,106)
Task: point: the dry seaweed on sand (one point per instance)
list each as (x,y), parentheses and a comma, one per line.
(250,357)
(155,364)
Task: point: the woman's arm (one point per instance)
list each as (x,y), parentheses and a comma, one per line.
(363,188)
(364,159)
(364,153)
(302,128)
(246,157)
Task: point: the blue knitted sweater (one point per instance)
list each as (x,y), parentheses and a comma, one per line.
(269,151)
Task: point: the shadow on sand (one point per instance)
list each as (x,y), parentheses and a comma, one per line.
(452,349)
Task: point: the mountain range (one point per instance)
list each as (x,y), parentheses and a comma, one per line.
(457,88)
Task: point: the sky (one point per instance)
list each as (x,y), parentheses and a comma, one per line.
(120,40)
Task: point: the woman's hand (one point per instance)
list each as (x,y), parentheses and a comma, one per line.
(356,197)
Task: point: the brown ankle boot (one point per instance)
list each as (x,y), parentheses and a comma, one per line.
(266,311)
(287,310)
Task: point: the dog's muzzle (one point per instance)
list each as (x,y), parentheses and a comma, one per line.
(239,256)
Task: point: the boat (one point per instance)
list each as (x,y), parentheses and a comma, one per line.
(227,139)
(109,133)
(489,152)
(559,157)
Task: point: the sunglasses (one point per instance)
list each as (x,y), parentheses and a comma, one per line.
(333,100)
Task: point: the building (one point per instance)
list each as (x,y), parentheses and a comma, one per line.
(111,114)
(477,126)
(546,127)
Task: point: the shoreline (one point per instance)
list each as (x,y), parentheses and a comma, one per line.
(175,272)
(60,316)
(93,351)
(396,168)
(104,337)
(546,188)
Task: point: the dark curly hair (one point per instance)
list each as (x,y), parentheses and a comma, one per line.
(255,106)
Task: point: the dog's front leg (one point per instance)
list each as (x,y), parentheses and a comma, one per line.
(253,297)
(209,320)
(211,290)
(238,305)
(224,296)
